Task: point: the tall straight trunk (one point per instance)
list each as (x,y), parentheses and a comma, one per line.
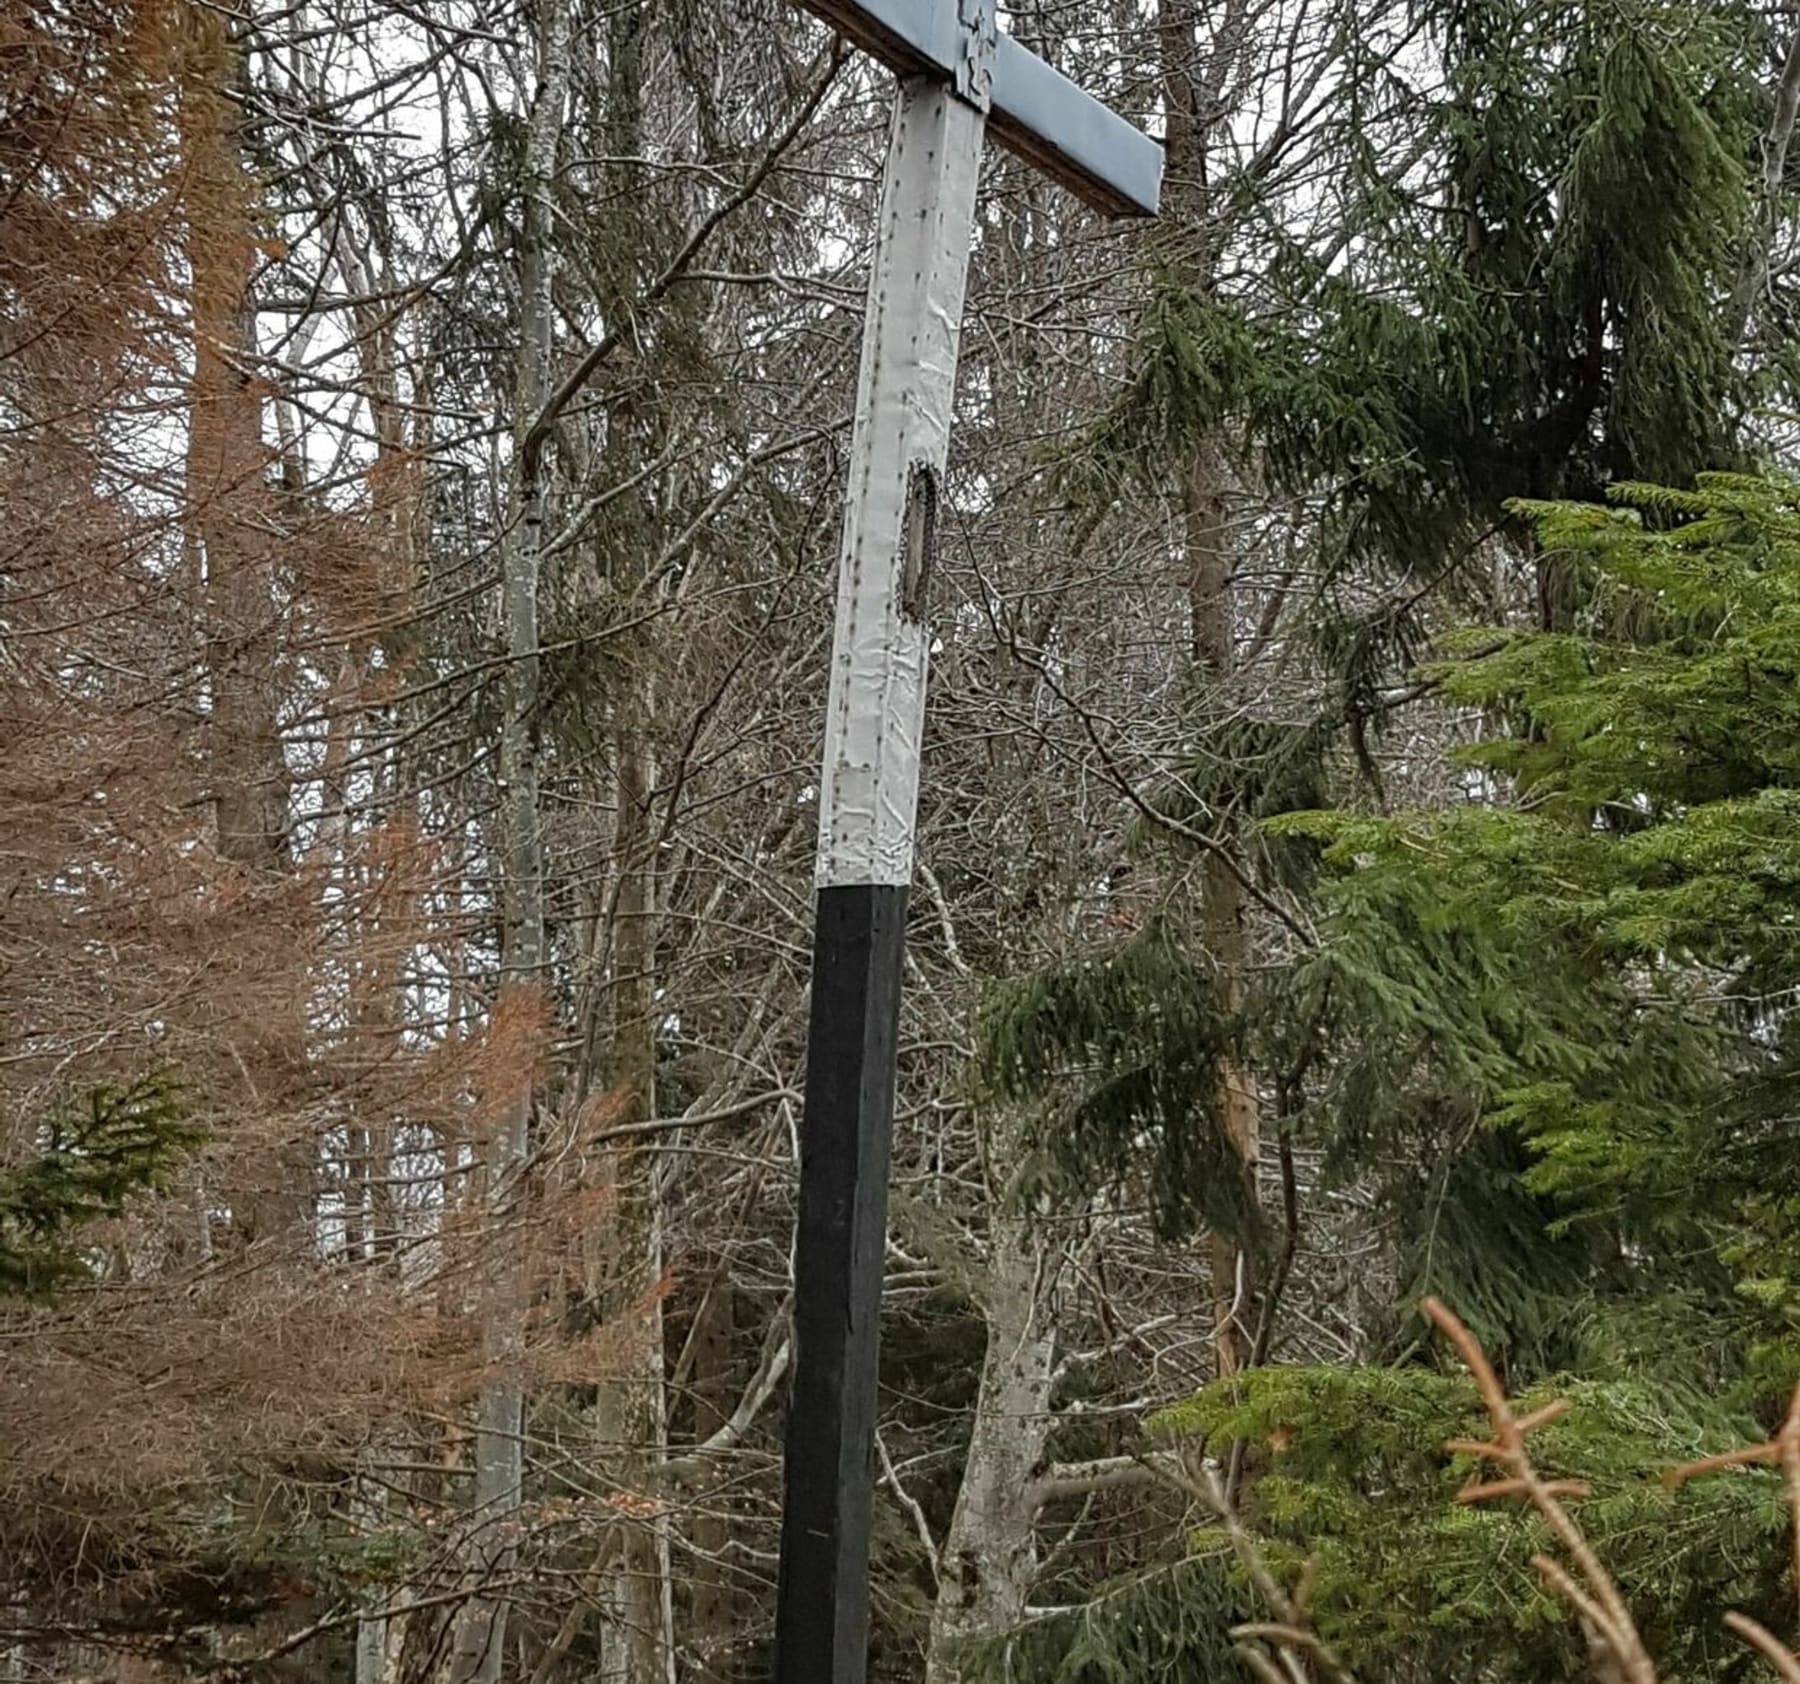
(373,1628)
(499,1437)
(372,1230)
(1210,563)
(1222,899)
(631,1424)
(989,1561)
(228,551)
(228,555)
(16,1611)
(713,1608)
(631,1416)
(227,461)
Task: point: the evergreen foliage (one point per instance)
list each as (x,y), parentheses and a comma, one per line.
(1121,1051)
(1606,966)
(1567,1018)
(1532,306)
(1413,1585)
(1115,1053)
(1169,1625)
(89,1155)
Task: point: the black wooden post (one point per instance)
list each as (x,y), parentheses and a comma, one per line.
(821,1626)
(868,791)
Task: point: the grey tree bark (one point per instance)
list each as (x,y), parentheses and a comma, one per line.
(1192,89)
(631,1415)
(989,1560)
(499,1440)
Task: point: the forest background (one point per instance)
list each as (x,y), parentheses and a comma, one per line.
(1360,849)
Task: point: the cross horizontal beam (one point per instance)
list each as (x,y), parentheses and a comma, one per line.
(1037,112)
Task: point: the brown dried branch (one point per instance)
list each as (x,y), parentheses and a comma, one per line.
(1520,1488)
(1590,1590)
(1772,1649)
(1260,1664)
(1279,1648)
(1595,1596)
(1782,1451)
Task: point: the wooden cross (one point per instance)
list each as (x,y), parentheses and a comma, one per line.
(960,79)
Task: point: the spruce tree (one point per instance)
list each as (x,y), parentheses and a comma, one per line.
(1533,303)
(80,1163)
(1596,978)
(1528,314)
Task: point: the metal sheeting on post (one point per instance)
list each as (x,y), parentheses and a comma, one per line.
(899,444)
(1073,138)
(960,78)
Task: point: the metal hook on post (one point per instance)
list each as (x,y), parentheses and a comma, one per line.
(978,40)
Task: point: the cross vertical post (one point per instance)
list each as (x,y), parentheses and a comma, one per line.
(867,796)
(957,71)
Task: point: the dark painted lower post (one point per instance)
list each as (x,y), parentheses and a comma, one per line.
(821,1631)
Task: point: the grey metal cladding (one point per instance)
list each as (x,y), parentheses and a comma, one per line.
(911,37)
(1075,139)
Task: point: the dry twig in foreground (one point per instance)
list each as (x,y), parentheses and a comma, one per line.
(1285,1649)
(1782,1451)
(1589,1589)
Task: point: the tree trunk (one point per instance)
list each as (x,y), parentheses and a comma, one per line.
(1223,903)
(499,1439)
(259,1041)
(226,464)
(372,1626)
(1189,97)
(713,1610)
(989,1560)
(631,1422)
(631,1416)
(229,555)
